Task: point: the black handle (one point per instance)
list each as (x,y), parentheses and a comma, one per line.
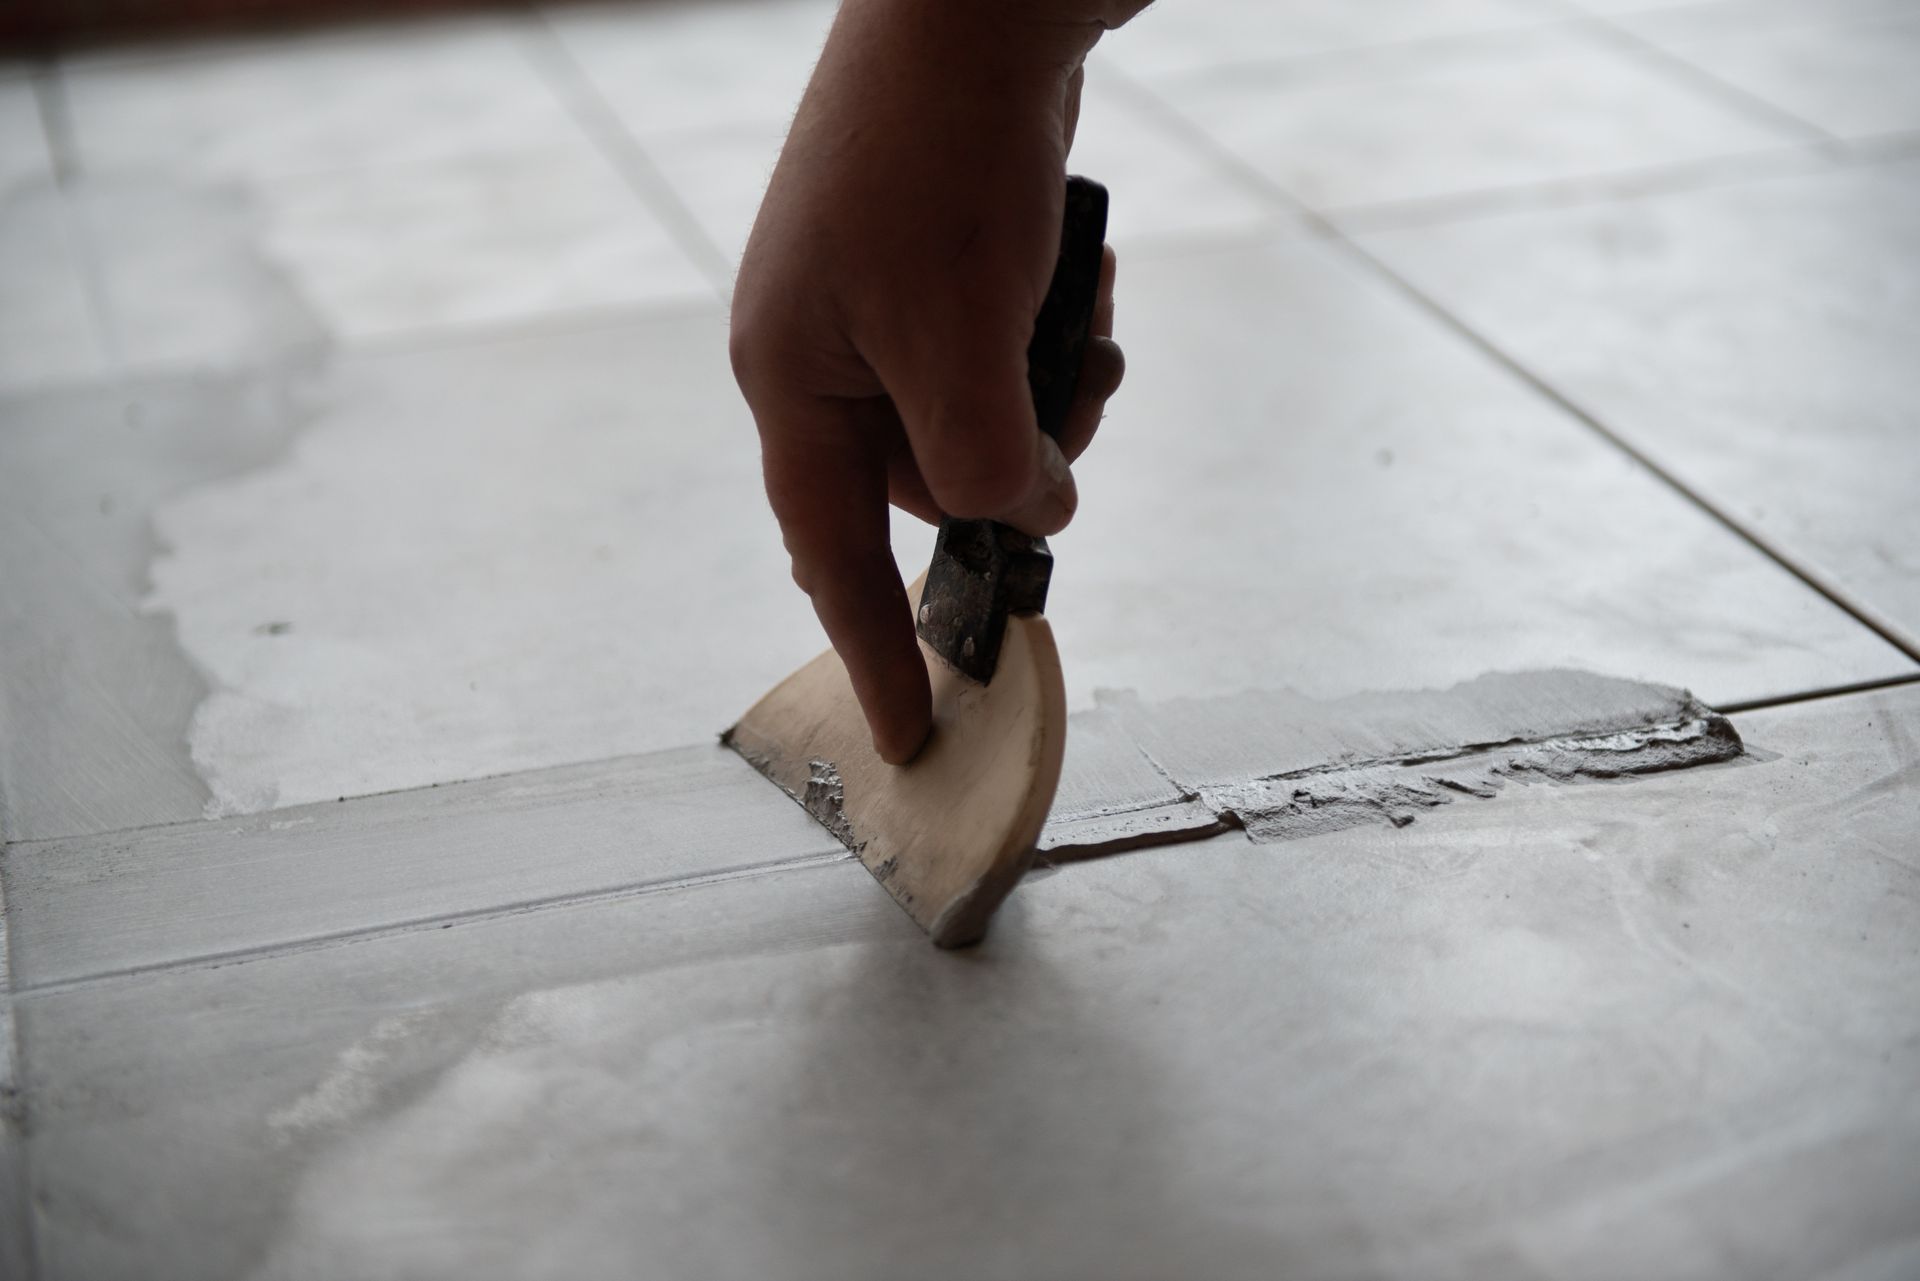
(1061,330)
(983,570)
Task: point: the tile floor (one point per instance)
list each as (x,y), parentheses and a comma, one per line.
(375,903)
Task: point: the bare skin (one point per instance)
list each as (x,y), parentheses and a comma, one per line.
(884,306)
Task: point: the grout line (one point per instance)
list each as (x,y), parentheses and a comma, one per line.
(420,925)
(281,811)
(554,324)
(1882,148)
(1817,695)
(1784,160)
(1540,385)
(1730,95)
(1363,61)
(1493,351)
(425,340)
(604,128)
(13,1101)
(56,124)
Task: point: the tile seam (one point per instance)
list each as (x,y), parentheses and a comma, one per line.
(55,113)
(1821,694)
(15,1075)
(1447,45)
(533,772)
(427,340)
(596,118)
(1377,267)
(1679,70)
(424,924)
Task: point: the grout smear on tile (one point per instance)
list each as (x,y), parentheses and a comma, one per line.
(1280,765)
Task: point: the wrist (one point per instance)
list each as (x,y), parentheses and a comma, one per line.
(1003,41)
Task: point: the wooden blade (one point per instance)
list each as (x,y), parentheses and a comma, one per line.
(951,833)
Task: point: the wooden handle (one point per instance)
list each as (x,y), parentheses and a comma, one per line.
(1066,317)
(982,571)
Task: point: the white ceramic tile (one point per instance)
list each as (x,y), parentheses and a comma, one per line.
(268,108)
(1522,109)
(1306,482)
(1163,187)
(493,558)
(721,175)
(186,280)
(490,558)
(1687,13)
(1755,339)
(1190,35)
(48,335)
(691,64)
(493,239)
(1579,1032)
(188,891)
(1707,20)
(1851,79)
(23,144)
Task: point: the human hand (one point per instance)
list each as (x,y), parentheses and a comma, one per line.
(883,311)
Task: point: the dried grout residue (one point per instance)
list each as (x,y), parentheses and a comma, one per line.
(1281,765)
(826,799)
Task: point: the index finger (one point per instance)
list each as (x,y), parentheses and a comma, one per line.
(827,483)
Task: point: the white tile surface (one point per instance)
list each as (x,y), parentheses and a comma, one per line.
(23,144)
(1852,79)
(186,282)
(1580,1031)
(1172,38)
(697,63)
(1410,125)
(1676,14)
(48,335)
(721,175)
(1163,188)
(1306,482)
(494,239)
(183,892)
(253,110)
(1756,339)
(494,558)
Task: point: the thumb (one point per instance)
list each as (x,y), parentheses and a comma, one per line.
(969,419)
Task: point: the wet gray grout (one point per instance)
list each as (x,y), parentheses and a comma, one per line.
(619,893)
(13,1060)
(1145,97)
(423,924)
(604,128)
(444,338)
